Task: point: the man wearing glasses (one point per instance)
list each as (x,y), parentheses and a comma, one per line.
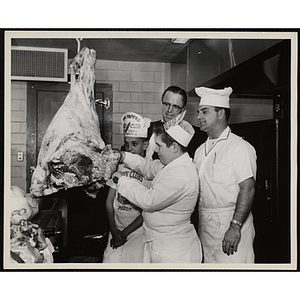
(173,102)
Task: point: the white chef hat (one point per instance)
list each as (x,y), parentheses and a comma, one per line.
(180,130)
(218,98)
(135,125)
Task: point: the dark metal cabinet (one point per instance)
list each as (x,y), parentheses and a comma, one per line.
(272,202)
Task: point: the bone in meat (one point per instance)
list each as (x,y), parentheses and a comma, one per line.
(72,152)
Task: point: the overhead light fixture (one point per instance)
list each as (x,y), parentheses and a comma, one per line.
(180,41)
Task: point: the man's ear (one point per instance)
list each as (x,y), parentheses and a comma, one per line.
(176,147)
(145,145)
(221,114)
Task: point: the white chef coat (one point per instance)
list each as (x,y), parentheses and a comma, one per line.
(167,207)
(221,167)
(125,214)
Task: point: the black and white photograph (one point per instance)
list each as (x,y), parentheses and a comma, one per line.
(148,150)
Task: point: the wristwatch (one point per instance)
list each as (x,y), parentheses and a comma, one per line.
(234,221)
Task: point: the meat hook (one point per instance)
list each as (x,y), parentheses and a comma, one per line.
(78,43)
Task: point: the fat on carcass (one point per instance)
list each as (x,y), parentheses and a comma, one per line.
(72,152)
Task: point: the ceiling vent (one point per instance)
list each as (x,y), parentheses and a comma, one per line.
(39,64)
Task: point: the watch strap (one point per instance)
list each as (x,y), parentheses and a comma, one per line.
(234,221)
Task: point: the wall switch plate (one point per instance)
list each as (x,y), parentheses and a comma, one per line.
(20,156)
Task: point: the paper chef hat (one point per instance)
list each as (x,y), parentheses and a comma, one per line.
(135,125)
(218,98)
(180,130)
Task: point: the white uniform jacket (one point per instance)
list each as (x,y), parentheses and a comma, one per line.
(229,161)
(167,205)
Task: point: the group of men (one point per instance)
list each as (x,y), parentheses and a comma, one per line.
(217,176)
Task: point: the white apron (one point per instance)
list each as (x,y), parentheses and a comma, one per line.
(184,248)
(125,214)
(213,224)
(130,252)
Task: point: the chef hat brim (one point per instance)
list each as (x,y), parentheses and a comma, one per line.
(182,133)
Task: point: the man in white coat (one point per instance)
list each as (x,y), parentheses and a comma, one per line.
(169,202)
(227,169)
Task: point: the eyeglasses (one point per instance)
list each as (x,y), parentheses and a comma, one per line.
(175,107)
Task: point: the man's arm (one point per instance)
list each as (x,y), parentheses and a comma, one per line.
(242,210)
(165,193)
(147,167)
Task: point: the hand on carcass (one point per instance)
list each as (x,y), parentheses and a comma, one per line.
(110,159)
(117,175)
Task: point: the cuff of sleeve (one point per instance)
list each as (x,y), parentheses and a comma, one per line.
(121,180)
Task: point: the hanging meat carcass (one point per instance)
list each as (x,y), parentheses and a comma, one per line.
(72,152)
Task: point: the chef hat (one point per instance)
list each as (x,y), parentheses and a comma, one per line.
(217,98)
(180,130)
(135,125)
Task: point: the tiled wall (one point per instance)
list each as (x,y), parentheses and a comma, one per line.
(137,86)
(18,132)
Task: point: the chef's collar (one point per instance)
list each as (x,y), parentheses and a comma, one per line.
(223,136)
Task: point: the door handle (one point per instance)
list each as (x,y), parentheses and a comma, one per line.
(267,186)
(31,170)
(105,103)
(268,189)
